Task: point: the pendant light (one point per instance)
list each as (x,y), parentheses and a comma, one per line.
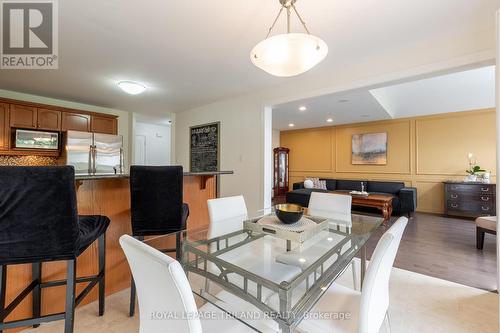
(288,54)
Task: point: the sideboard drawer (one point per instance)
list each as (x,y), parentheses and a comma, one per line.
(471,207)
(479,197)
(472,188)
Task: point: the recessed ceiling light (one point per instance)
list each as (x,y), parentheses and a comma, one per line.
(365,116)
(291,125)
(343,100)
(302,108)
(132,88)
(329,120)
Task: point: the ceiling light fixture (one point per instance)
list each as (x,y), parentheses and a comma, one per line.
(132,88)
(302,108)
(329,120)
(291,125)
(288,54)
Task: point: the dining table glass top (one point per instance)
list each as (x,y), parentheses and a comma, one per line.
(261,279)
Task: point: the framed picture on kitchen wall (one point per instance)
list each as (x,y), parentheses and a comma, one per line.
(370,148)
(204,151)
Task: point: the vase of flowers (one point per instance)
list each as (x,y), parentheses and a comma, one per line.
(474,169)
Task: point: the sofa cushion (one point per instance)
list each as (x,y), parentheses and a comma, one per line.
(331,184)
(301,196)
(351,185)
(385,187)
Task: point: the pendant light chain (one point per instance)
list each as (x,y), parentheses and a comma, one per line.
(275,20)
(300,19)
(288,14)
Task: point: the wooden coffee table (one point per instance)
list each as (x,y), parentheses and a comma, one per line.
(383,202)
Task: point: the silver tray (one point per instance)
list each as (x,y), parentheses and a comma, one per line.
(289,235)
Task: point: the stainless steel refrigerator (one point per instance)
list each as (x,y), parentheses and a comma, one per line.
(94,153)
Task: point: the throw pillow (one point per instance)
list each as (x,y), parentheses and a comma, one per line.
(317,184)
(308,183)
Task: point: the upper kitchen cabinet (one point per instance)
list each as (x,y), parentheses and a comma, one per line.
(102,124)
(4,126)
(75,122)
(49,120)
(23,116)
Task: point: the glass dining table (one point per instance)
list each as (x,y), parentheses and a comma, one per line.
(262,280)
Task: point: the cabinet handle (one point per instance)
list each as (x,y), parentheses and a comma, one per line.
(454,205)
(485,189)
(485,209)
(454,196)
(485,198)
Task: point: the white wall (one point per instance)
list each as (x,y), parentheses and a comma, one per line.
(276,138)
(158,142)
(241,140)
(275,143)
(124,117)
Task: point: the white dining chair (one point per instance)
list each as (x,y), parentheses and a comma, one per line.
(332,203)
(368,308)
(336,207)
(166,302)
(226,216)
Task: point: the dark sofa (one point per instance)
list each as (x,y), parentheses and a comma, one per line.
(404,202)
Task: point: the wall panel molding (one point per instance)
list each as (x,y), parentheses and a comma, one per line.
(412,171)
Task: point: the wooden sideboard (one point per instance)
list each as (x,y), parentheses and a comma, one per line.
(469,199)
(26,115)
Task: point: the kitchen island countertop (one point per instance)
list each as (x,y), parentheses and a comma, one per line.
(113,176)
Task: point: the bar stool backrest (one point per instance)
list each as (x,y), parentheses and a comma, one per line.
(156,199)
(38,214)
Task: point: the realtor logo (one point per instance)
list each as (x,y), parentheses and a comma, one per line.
(29,34)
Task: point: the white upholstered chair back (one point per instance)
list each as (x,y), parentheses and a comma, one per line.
(162,289)
(226,215)
(331,205)
(375,291)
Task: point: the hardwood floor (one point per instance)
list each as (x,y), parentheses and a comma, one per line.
(445,248)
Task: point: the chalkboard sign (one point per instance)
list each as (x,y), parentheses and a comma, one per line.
(204,148)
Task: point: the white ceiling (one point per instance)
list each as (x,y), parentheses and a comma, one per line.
(343,108)
(467,90)
(190,53)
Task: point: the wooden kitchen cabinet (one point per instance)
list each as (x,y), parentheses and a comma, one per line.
(49,120)
(22,116)
(75,122)
(106,125)
(4,126)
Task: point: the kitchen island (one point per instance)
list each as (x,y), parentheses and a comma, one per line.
(107,195)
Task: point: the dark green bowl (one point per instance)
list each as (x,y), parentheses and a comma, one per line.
(289,213)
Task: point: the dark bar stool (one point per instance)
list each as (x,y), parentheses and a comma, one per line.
(39,222)
(156,206)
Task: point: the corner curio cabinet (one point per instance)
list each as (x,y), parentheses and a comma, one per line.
(280,171)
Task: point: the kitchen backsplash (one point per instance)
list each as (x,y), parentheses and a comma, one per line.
(27,160)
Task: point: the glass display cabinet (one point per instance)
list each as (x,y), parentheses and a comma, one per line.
(280,171)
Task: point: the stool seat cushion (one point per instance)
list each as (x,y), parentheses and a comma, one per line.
(487,222)
(91,227)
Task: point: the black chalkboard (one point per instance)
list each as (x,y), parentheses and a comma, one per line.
(204,147)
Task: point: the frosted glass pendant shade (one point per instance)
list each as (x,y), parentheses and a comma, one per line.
(289,54)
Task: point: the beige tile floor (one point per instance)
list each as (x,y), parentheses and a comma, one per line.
(419,304)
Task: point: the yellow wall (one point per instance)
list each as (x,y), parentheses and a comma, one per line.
(421,151)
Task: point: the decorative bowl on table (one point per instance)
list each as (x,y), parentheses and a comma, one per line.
(289,213)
